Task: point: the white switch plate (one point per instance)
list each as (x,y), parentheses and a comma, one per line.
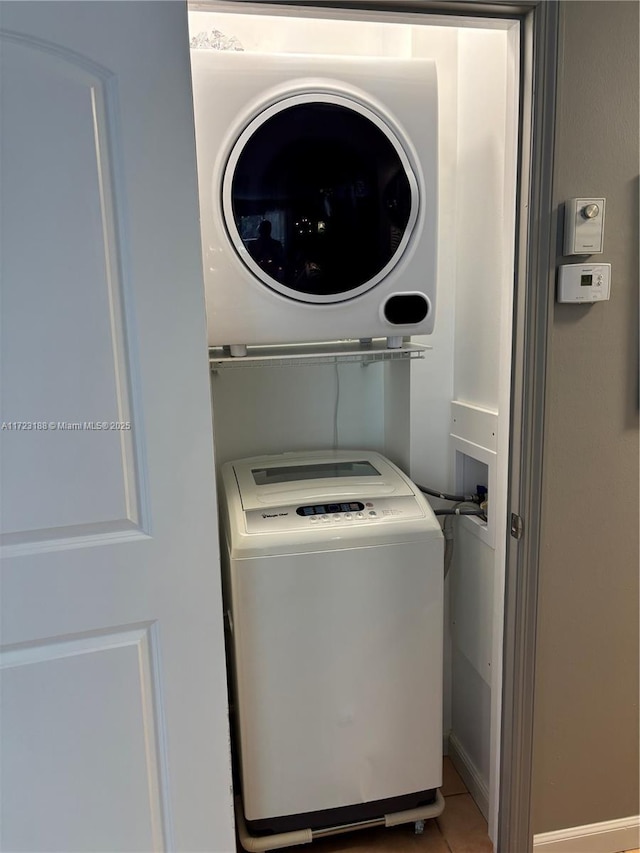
(584,282)
(584,226)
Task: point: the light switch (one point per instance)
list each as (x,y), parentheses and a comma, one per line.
(584,226)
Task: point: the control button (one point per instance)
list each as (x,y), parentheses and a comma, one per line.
(337,517)
(313,519)
(359,515)
(324,518)
(368,503)
(590,211)
(348,515)
(372,512)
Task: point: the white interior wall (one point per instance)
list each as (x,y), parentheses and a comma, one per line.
(480,216)
(404,409)
(275,409)
(487,154)
(278,34)
(485,210)
(397,394)
(432,379)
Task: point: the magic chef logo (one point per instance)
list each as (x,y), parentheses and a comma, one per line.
(273,514)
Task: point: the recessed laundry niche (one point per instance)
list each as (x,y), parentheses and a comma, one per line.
(406,409)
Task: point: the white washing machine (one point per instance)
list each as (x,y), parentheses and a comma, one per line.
(318,196)
(333,579)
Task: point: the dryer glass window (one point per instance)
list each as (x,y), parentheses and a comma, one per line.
(321,199)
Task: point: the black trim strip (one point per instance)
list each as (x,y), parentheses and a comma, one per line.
(342,815)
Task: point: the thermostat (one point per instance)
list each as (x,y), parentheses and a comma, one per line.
(584,282)
(584,226)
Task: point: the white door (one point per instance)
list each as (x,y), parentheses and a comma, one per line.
(114,710)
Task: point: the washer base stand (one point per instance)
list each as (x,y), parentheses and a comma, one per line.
(256,844)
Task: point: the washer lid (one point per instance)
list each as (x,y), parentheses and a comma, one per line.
(325,475)
(319,197)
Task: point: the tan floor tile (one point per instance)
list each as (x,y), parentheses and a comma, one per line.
(463,826)
(452,783)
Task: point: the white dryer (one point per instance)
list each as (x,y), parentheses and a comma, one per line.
(318,195)
(333,579)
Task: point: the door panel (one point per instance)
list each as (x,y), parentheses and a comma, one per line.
(60,242)
(115,719)
(112,674)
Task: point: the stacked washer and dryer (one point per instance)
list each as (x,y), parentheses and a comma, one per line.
(318,196)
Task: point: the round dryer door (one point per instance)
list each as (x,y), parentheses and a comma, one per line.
(320,198)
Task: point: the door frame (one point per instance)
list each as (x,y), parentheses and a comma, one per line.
(533,303)
(535,270)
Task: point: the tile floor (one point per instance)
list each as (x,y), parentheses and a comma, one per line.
(461,828)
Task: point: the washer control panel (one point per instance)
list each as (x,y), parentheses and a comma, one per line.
(342,513)
(321,509)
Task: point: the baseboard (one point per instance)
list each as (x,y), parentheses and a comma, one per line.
(612,836)
(470,774)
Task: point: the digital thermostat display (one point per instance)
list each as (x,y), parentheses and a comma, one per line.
(584,282)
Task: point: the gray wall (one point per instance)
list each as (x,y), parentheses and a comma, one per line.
(586,706)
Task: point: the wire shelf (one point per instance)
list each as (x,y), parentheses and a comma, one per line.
(327,352)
